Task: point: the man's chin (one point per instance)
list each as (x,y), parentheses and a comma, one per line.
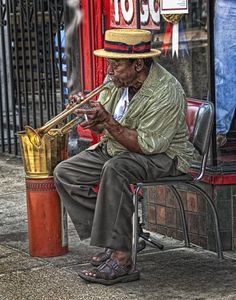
(119,84)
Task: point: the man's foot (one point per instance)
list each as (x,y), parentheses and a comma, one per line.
(103,256)
(116,269)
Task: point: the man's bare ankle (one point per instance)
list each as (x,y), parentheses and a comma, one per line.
(124,257)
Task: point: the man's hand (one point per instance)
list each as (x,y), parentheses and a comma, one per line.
(75,99)
(97,119)
(96,116)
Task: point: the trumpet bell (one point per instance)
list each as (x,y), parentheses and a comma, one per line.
(33,136)
(40,161)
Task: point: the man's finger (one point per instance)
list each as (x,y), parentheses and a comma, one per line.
(95,104)
(87,125)
(85,111)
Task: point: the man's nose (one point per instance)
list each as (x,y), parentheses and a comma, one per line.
(110,70)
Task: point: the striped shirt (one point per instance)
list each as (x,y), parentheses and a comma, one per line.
(157,112)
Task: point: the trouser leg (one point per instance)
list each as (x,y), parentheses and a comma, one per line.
(225,67)
(74,179)
(112,225)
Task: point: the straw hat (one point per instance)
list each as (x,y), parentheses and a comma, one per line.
(127,43)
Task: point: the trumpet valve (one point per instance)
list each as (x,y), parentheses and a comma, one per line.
(54,132)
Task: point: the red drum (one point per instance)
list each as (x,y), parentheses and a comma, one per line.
(47,219)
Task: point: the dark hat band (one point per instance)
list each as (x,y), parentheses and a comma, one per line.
(119,47)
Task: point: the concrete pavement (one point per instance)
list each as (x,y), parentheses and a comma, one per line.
(175,273)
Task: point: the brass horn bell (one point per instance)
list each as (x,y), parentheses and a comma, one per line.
(35,135)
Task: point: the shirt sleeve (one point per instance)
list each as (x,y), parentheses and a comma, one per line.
(160,122)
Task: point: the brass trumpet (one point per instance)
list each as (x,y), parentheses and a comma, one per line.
(35,135)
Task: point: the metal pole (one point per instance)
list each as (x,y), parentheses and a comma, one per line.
(211,71)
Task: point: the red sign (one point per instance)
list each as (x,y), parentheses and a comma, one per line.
(124,14)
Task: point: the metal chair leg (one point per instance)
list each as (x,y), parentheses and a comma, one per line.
(135,226)
(215,217)
(135,234)
(182,213)
(147,237)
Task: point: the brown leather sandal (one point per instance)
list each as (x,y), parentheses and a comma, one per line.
(103,256)
(110,272)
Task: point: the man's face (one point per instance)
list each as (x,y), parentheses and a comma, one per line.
(122,71)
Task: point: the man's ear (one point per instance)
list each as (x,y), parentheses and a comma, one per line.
(139,64)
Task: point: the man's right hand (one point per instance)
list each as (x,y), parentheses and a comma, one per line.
(95,115)
(75,99)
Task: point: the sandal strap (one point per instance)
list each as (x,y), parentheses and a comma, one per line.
(111,269)
(105,255)
(102,256)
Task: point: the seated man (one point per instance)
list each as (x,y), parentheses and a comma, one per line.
(145,137)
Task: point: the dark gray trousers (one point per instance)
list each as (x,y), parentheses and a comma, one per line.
(106,216)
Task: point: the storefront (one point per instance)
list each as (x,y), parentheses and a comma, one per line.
(190,52)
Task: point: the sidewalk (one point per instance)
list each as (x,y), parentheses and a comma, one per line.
(174,273)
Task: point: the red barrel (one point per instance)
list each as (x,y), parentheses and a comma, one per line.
(47,219)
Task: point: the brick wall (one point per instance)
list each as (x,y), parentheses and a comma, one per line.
(163,215)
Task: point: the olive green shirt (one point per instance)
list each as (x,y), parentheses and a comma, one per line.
(157,113)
